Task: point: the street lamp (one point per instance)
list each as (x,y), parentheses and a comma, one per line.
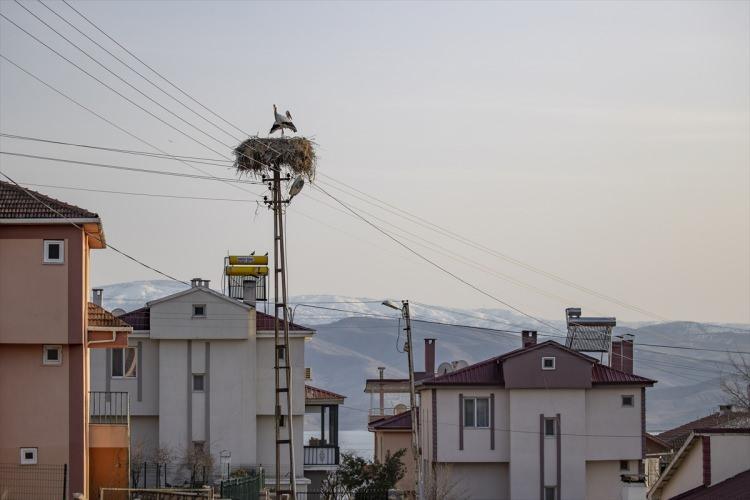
(404,308)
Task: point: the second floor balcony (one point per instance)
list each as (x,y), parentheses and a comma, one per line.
(109,408)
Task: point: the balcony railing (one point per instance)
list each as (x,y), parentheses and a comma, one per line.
(109,407)
(322,455)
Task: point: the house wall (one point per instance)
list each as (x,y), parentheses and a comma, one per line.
(172,319)
(45,304)
(603,479)
(730,455)
(266,376)
(526,405)
(689,475)
(605,416)
(524,371)
(144,436)
(478,481)
(266,436)
(389,442)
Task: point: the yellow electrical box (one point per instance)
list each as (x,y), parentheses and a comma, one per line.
(244,260)
(246,270)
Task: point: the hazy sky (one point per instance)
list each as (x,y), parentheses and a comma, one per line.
(607,143)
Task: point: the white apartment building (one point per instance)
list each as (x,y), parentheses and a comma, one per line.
(199,373)
(543,422)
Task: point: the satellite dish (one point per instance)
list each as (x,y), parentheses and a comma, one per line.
(296,187)
(444,368)
(399,408)
(457,365)
(118,312)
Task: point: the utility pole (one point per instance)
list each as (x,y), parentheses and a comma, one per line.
(415,448)
(282,363)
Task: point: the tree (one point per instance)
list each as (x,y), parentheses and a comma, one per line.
(736,385)
(364,478)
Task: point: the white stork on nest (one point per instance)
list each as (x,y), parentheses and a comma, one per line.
(281,122)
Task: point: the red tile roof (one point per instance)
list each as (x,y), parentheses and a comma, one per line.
(140,319)
(490,371)
(314,393)
(15,203)
(402,421)
(720,420)
(734,488)
(100,317)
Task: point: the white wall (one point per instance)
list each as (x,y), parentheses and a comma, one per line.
(144,434)
(173,319)
(688,476)
(480,481)
(730,455)
(603,480)
(266,377)
(267,446)
(605,416)
(173,391)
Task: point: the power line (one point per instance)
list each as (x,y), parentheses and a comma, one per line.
(130,193)
(131,169)
(107,245)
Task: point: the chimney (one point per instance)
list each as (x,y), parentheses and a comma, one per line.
(528,338)
(248,292)
(615,358)
(627,353)
(195,282)
(429,356)
(96,296)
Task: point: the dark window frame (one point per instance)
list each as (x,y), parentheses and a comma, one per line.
(550,423)
(60,259)
(624,398)
(202,314)
(202,384)
(473,423)
(125,370)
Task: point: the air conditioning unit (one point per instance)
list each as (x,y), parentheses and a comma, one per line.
(308,373)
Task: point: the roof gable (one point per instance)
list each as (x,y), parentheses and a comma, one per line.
(719,420)
(401,421)
(98,317)
(16,203)
(200,289)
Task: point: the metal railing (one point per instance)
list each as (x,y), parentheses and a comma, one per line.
(109,407)
(321,455)
(242,488)
(40,481)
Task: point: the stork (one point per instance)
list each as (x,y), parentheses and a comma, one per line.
(281,122)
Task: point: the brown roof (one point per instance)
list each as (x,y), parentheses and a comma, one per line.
(402,421)
(734,488)
(140,319)
(100,317)
(490,371)
(720,420)
(313,393)
(15,203)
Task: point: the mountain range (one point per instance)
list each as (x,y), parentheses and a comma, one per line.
(355,335)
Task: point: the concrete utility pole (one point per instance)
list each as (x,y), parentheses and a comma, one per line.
(282,353)
(415,449)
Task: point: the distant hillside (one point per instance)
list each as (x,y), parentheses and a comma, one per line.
(347,350)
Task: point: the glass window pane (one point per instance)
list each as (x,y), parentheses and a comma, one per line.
(53,251)
(117,362)
(549,493)
(52,354)
(483,412)
(198,383)
(131,363)
(549,427)
(468,413)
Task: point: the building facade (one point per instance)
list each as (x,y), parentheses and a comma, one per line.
(47,326)
(541,422)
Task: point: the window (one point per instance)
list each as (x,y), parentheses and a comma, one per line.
(28,456)
(52,355)
(548,363)
(199,310)
(549,426)
(199,382)
(628,401)
(550,492)
(624,465)
(54,251)
(476,412)
(124,362)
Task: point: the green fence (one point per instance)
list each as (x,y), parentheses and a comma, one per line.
(242,488)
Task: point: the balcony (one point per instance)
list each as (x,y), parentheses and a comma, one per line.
(109,408)
(109,439)
(321,454)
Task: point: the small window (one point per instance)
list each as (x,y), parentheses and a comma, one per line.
(52,355)
(549,426)
(624,465)
(282,420)
(199,382)
(477,412)
(548,363)
(199,310)
(28,456)
(550,493)
(54,251)
(628,401)
(125,362)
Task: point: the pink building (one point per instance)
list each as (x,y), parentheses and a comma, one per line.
(46,326)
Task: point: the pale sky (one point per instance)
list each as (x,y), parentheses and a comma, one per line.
(607,143)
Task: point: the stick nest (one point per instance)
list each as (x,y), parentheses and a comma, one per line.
(260,155)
